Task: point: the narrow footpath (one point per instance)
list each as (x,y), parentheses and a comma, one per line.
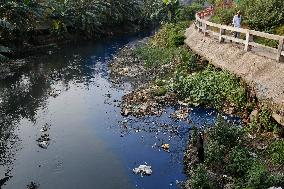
(264,75)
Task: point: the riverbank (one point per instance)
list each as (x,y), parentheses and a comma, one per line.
(262,74)
(190,82)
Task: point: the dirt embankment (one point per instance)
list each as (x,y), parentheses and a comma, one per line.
(264,75)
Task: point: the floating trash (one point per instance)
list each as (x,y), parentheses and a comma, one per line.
(32,185)
(44,128)
(166,147)
(43,141)
(181,114)
(143,170)
(43,144)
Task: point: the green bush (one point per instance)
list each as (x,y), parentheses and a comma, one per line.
(277,152)
(215,155)
(263,121)
(239,161)
(200,178)
(258,177)
(170,35)
(279,30)
(188,12)
(224,16)
(265,15)
(211,87)
(226,134)
(187,61)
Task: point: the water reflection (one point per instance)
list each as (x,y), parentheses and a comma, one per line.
(91,144)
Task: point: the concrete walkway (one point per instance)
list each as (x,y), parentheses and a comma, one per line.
(264,75)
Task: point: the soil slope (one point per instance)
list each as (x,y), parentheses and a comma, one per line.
(264,75)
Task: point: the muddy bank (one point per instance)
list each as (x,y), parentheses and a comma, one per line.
(146,97)
(264,75)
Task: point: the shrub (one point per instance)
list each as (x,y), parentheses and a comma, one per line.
(224,16)
(160,91)
(188,12)
(262,122)
(187,61)
(265,15)
(194,135)
(215,155)
(156,56)
(225,134)
(277,152)
(279,30)
(200,178)
(170,35)
(211,87)
(258,177)
(267,42)
(239,161)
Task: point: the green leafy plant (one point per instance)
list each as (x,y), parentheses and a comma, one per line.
(188,12)
(280,30)
(262,122)
(211,87)
(200,178)
(170,35)
(258,177)
(225,134)
(265,15)
(224,16)
(215,155)
(239,161)
(276,151)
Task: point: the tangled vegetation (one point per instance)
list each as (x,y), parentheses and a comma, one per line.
(21,22)
(228,152)
(261,15)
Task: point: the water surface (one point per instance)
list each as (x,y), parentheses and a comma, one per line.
(92,145)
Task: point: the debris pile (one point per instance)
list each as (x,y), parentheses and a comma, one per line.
(143,102)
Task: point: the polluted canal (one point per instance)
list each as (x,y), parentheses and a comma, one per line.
(61,127)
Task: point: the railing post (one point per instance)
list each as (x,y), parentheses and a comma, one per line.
(205,29)
(249,38)
(222,32)
(196,22)
(200,26)
(280,48)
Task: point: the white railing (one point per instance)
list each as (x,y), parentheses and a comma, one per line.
(205,27)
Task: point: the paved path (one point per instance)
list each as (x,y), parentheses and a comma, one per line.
(265,75)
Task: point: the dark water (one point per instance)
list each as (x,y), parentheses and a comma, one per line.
(92,146)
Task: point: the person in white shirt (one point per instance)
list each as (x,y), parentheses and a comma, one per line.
(237,23)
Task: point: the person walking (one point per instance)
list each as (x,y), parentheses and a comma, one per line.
(237,20)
